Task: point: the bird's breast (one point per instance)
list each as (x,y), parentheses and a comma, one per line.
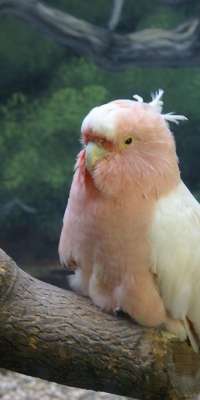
(109,231)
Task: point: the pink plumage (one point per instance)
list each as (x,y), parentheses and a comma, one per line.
(128,163)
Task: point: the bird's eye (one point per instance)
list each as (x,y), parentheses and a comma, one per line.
(129,140)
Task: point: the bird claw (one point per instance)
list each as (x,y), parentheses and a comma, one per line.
(177,328)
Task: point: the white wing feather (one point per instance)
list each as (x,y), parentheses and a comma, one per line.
(175,236)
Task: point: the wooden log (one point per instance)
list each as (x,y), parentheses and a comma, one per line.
(54,334)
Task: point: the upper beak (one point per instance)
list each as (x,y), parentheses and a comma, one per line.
(94,153)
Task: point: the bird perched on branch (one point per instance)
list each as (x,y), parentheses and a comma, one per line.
(131,229)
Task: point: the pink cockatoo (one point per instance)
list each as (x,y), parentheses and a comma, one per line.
(131,229)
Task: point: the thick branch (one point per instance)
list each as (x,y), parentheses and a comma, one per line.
(52,333)
(150,47)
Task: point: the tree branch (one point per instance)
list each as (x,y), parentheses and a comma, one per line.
(116,13)
(150,47)
(15,204)
(54,334)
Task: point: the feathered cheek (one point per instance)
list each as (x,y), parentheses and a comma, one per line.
(108,177)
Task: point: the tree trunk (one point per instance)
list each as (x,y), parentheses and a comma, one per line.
(54,334)
(149,47)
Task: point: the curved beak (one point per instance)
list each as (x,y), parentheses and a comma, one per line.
(94,153)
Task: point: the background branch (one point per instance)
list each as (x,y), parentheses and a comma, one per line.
(52,333)
(149,47)
(117,6)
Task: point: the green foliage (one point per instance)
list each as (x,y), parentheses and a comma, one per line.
(39,141)
(162,17)
(182,88)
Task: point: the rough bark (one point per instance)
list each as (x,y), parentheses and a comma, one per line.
(14,386)
(149,47)
(54,334)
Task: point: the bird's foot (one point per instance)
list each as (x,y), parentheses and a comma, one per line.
(176,327)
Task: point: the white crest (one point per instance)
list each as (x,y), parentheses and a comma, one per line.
(174,118)
(157,104)
(138,98)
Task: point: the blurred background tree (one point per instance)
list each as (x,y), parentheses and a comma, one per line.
(47,88)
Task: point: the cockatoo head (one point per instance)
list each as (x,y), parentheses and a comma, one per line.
(129,141)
